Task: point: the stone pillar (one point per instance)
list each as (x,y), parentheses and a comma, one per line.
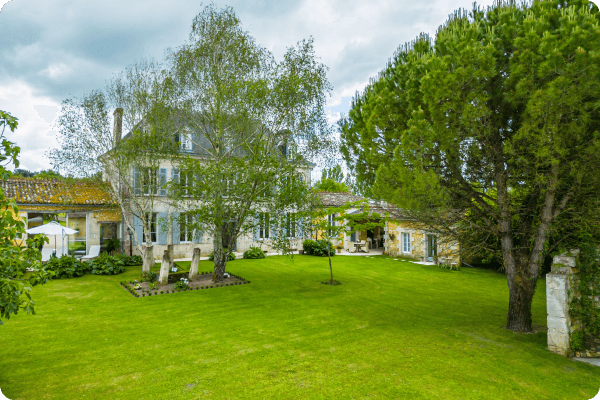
(558,288)
(163,278)
(194,265)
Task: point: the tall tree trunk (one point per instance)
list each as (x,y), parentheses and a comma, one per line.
(220,254)
(521,290)
(148,261)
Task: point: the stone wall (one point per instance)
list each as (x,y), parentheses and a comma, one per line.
(418,245)
(561,287)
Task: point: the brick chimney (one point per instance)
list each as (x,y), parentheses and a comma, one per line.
(118,126)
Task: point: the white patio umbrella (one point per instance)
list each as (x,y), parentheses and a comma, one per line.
(52,229)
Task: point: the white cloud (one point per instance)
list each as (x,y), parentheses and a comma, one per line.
(32,133)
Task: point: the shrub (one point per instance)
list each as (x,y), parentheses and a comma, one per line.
(112,245)
(153,285)
(129,260)
(106,264)
(254,253)
(66,267)
(320,248)
(231,257)
(308,246)
(147,276)
(576,342)
(182,284)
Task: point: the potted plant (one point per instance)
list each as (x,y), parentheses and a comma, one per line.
(339,248)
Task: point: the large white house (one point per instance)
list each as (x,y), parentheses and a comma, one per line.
(167,221)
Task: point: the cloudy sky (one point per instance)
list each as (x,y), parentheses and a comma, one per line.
(51,50)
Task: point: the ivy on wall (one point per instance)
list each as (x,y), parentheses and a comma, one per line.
(584,306)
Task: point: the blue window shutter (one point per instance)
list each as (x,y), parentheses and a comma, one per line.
(162,182)
(136,182)
(175,175)
(197,236)
(176,231)
(300,229)
(162,227)
(256,229)
(353,236)
(139,230)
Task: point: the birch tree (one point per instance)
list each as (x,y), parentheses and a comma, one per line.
(251,123)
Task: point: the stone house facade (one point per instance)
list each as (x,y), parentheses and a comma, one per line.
(86,207)
(166,222)
(400,235)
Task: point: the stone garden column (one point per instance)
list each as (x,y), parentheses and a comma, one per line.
(558,289)
(164,268)
(195,261)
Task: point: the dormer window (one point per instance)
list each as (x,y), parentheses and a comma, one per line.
(185,142)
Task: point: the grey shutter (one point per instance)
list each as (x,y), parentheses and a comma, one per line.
(300,228)
(256,229)
(175,175)
(139,230)
(176,231)
(136,182)
(162,227)
(162,182)
(197,236)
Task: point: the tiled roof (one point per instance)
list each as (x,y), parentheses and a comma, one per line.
(330,199)
(50,191)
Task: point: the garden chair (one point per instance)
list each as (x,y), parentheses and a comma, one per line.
(94,252)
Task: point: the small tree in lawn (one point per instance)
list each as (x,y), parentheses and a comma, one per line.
(333,222)
(15,259)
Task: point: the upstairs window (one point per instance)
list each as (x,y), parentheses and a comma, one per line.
(151,221)
(185,141)
(145,181)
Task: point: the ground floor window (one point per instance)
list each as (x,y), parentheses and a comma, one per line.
(263,230)
(186,227)
(406,242)
(290,225)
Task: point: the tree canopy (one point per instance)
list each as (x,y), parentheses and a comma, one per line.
(491,132)
(15,259)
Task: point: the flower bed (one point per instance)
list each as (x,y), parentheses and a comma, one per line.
(201,282)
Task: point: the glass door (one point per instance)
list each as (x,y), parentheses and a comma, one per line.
(431,247)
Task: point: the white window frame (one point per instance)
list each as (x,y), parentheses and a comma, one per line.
(406,242)
(186,235)
(152,221)
(263,226)
(185,142)
(291,225)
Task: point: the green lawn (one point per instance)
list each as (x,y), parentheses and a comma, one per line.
(393,330)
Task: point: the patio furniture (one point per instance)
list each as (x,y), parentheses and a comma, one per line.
(358,245)
(94,252)
(46,254)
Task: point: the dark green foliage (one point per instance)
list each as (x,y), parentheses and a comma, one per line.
(147,276)
(106,264)
(129,260)
(308,246)
(181,285)
(112,245)
(254,253)
(231,257)
(583,307)
(66,267)
(323,248)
